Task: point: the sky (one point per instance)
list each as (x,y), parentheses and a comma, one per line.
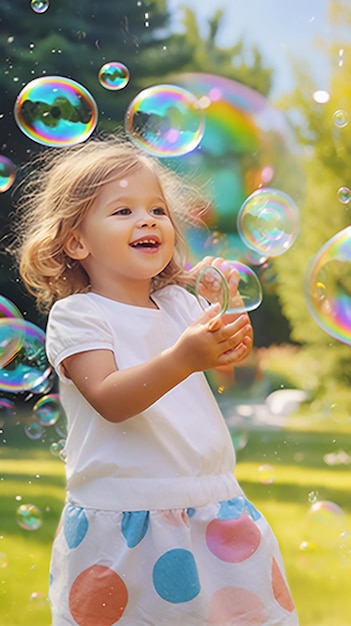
(282,30)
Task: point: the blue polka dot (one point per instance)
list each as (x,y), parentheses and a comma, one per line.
(191,511)
(252,511)
(231,509)
(234,508)
(175,576)
(75,525)
(134,527)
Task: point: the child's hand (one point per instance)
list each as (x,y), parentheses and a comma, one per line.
(211,286)
(211,341)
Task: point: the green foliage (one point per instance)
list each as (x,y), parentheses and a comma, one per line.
(326,154)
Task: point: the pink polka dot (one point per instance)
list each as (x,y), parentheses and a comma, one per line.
(231,606)
(98,596)
(233,540)
(280,589)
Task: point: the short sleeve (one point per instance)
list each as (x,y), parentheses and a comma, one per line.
(75,325)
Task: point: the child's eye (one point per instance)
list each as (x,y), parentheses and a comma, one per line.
(122,211)
(159,210)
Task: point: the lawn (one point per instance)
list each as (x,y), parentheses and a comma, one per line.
(319,571)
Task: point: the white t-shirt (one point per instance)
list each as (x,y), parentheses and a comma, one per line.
(176,454)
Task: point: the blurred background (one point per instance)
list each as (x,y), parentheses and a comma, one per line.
(252,101)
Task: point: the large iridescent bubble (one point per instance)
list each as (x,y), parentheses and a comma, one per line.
(246,144)
(328,286)
(56,111)
(165,120)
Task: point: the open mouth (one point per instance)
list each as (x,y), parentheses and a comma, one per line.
(151,244)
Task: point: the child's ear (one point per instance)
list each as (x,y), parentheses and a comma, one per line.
(75,247)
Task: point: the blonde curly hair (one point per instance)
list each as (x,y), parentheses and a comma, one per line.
(55,196)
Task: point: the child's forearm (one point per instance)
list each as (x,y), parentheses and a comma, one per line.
(126,393)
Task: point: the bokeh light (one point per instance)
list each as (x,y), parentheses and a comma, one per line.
(113,76)
(268,221)
(328,286)
(165,120)
(56,111)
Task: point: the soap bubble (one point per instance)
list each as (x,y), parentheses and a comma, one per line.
(7,173)
(328,286)
(266,474)
(311,556)
(34,430)
(113,76)
(9,309)
(7,408)
(344,195)
(344,549)
(12,329)
(246,141)
(341,118)
(214,284)
(325,521)
(29,517)
(57,447)
(165,120)
(48,410)
(238,430)
(38,599)
(39,6)
(56,111)
(268,221)
(30,367)
(12,333)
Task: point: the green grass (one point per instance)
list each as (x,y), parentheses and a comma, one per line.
(320,583)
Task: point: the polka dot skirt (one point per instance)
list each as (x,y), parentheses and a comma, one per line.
(217,565)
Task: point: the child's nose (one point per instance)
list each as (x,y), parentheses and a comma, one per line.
(147,221)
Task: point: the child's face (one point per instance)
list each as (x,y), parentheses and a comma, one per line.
(127,236)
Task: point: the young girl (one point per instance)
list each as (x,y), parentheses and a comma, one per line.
(156,530)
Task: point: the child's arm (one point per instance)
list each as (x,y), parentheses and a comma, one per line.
(120,394)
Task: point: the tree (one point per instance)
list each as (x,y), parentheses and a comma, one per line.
(76,39)
(326,153)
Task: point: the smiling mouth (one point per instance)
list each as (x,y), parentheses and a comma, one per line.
(151,244)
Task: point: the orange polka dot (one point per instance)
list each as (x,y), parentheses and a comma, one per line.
(231,606)
(280,589)
(98,596)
